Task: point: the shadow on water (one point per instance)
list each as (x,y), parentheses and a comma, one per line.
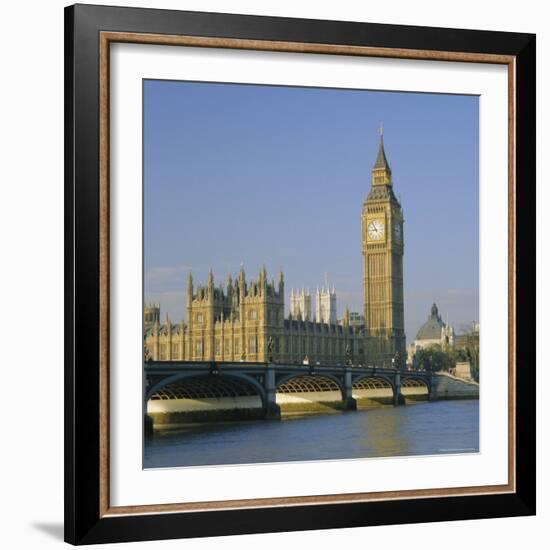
(427,428)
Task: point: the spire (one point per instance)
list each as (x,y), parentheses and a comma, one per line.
(242,282)
(190,288)
(262,280)
(210,279)
(281,283)
(381,171)
(381,160)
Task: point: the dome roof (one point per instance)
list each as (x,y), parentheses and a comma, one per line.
(431,329)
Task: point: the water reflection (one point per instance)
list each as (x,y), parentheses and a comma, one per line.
(427,428)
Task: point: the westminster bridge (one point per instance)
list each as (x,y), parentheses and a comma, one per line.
(165,380)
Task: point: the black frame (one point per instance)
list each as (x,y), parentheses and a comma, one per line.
(83,524)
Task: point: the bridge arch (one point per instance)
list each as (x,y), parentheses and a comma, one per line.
(303,392)
(305,382)
(412,381)
(372,390)
(194,378)
(415,388)
(373,381)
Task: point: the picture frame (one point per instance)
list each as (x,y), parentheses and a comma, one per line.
(89,33)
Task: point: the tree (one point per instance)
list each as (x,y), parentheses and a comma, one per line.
(470,350)
(434,359)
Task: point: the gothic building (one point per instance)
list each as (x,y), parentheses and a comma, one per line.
(244,320)
(325,305)
(300,305)
(236,322)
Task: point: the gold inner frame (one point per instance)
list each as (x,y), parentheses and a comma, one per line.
(105,39)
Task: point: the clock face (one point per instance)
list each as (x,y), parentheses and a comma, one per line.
(375,230)
(397,231)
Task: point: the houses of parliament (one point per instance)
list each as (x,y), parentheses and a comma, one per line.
(244,320)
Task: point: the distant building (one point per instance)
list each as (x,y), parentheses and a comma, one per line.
(151,314)
(300,305)
(468,337)
(433,332)
(325,306)
(353,319)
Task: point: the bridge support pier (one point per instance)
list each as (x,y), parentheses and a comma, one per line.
(272,410)
(398,398)
(432,395)
(350,404)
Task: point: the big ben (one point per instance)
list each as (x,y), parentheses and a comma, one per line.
(382,247)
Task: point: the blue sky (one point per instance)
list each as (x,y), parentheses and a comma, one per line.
(277,175)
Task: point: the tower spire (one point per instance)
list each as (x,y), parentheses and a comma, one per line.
(189,289)
(381,159)
(381,171)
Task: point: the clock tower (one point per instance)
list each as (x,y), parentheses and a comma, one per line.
(382,247)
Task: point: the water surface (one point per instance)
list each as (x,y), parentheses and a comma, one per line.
(439,427)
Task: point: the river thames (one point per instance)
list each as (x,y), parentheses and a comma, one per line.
(440,427)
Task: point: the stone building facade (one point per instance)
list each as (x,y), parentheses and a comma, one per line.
(300,305)
(237,321)
(325,305)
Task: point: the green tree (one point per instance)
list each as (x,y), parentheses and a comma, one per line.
(434,359)
(470,351)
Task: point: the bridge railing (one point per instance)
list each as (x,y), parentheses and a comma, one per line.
(151,366)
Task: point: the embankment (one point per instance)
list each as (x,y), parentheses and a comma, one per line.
(452,387)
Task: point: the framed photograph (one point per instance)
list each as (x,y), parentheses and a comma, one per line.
(300,267)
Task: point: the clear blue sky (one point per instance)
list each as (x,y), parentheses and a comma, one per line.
(277,175)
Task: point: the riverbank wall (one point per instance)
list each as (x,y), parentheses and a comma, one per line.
(447,386)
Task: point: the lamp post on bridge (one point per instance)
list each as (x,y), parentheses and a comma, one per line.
(349,359)
(270,349)
(396,361)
